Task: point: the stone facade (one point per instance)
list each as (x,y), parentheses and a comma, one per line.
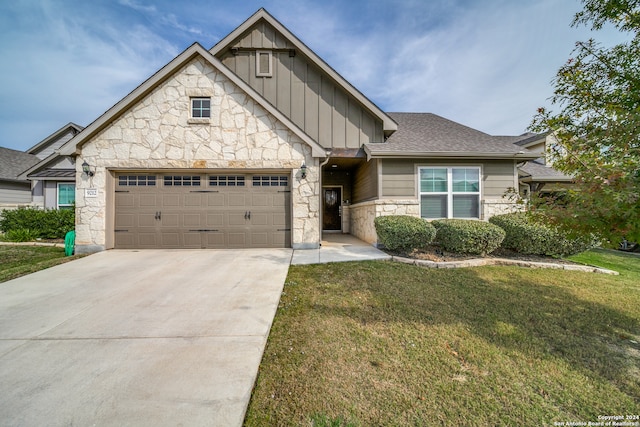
(493,207)
(363,214)
(157,133)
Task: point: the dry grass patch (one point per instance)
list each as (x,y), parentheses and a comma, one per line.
(379,343)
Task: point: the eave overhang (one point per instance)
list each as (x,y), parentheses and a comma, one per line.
(447,155)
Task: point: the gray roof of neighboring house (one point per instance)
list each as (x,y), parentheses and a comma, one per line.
(14,162)
(537,171)
(433,135)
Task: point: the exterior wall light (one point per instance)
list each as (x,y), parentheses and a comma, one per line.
(86,169)
(303,171)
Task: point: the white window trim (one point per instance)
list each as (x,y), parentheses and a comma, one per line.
(269,73)
(58,205)
(198,119)
(449,193)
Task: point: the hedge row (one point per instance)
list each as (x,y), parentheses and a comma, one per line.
(528,235)
(516,231)
(468,236)
(39,223)
(403,233)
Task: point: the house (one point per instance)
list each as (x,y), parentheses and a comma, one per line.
(53,176)
(14,191)
(538,175)
(258,142)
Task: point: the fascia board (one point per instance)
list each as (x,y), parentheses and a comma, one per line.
(54,136)
(449,155)
(388,124)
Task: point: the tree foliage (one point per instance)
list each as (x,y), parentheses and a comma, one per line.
(597,126)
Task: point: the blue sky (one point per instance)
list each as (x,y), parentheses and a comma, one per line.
(487,64)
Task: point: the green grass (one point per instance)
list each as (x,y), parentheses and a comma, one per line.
(16,261)
(380,343)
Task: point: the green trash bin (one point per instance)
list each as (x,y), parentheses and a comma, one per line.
(69,243)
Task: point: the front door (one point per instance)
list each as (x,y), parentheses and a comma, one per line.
(331,201)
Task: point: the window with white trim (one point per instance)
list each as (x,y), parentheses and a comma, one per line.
(449,192)
(66,195)
(200,108)
(264,67)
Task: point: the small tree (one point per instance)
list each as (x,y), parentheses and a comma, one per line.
(597,127)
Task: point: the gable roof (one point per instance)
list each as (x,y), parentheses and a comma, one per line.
(193,51)
(388,124)
(426,134)
(13,162)
(54,136)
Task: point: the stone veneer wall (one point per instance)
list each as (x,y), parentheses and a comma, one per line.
(363,214)
(492,207)
(158,133)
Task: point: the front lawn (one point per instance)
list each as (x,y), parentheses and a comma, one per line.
(381,343)
(16,261)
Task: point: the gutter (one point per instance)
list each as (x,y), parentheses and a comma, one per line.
(449,155)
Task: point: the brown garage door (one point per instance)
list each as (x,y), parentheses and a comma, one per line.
(202,211)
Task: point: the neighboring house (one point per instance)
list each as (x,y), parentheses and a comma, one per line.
(539,176)
(259,143)
(14,191)
(53,177)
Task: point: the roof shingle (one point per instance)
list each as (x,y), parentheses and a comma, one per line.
(14,162)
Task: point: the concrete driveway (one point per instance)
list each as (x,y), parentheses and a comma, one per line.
(138,338)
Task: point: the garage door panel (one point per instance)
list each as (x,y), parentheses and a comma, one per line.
(193,240)
(231,211)
(260,218)
(147,220)
(147,240)
(235,200)
(215,220)
(192,220)
(215,200)
(237,239)
(171,200)
(170,219)
(193,200)
(215,240)
(170,239)
(125,220)
(148,200)
(237,218)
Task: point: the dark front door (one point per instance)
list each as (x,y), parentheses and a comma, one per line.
(331,201)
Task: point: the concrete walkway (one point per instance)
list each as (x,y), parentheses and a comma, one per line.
(338,248)
(144,338)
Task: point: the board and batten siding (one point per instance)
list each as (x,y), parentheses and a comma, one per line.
(365,183)
(302,92)
(399,177)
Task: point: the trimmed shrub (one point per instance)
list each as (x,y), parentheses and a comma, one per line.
(403,233)
(43,223)
(468,236)
(527,235)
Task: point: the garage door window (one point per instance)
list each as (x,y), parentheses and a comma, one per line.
(226,181)
(182,181)
(270,181)
(137,180)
